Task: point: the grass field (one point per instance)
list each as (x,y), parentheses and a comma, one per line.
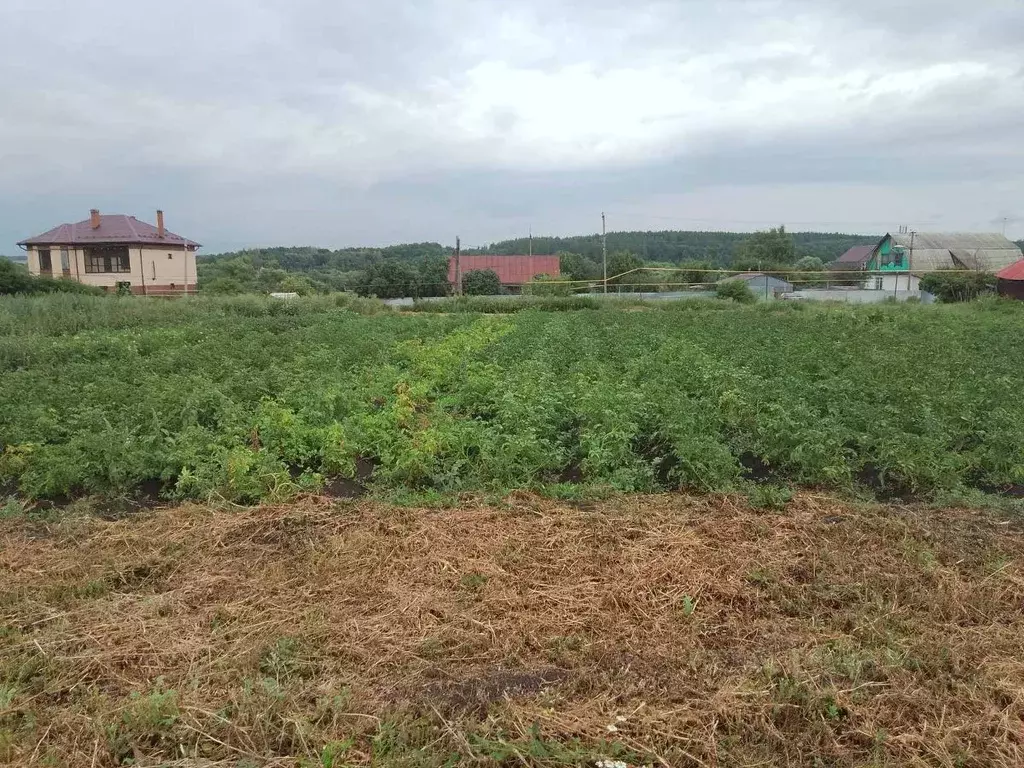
(655,630)
(245,399)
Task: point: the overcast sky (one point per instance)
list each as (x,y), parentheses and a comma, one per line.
(334,123)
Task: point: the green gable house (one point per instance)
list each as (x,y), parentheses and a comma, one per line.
(898,261)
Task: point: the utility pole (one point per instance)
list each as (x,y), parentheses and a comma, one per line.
(458,267)
(910,258)
(604,251)
(531,240)
(1004,226)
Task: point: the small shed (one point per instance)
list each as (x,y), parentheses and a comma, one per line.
(1010,281)
(764,286)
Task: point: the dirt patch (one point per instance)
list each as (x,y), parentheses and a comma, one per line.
(343,488)
(668,630)
(146,495)
(755,468)
(571,474)
(351,487)
(476,694)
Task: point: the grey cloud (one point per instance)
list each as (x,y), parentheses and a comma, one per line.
(345,122)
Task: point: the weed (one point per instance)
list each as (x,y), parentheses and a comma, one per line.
(688,605)
(760,578)
(769,496)
(12,508)
(430,648)
(332,753)
(473,582)
(146,723)
(536,749)
(280,661)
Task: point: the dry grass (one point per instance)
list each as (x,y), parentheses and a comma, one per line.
(672,630)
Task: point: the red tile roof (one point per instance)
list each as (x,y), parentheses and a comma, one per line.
(511,270)
(113,228)
(1013,272)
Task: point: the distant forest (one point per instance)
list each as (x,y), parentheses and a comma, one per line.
(674,246)
(420,269)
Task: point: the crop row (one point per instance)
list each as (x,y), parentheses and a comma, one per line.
(247,399)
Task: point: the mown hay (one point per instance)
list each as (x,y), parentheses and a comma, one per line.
(664,629)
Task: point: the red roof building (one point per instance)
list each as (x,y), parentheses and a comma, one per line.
(511,270)
(1010,280)
(107,229)
(1013,272)
(116,252)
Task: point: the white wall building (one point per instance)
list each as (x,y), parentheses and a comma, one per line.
(114,250)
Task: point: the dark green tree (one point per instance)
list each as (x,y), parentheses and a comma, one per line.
(623,263)
(695,272)
(574,266)
(765,250)
(433,276)
(958,286)
(481,282)
(223,286)
(389,280)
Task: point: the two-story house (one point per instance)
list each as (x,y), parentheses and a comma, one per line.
(115,251)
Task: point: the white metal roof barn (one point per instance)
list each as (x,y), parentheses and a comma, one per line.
(928,252)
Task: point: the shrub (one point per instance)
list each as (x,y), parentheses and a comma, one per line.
(546,285)
(15,279)
(737,290)
(507,304)
(958,286)
(481,282)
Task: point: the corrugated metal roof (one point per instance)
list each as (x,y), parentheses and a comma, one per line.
(749,277)
(511,270)
(985,251)
(992,241)
(739,276)
(1013,272)
(113,228)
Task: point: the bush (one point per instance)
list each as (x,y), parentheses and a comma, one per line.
(507,304)
(546,285)
(481,282)
(958,286)
(737,290)
(15,279)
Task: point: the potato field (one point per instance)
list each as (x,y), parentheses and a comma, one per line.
(246,399)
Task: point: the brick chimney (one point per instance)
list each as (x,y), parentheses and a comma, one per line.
(94,218)
(160,223)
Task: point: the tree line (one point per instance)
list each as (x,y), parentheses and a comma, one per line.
(720,249)
(420,269)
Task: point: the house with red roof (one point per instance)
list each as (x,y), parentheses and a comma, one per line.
(513,271)
(115,251)
(1010,281)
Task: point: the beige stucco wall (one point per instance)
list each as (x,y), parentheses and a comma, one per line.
(151,267)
